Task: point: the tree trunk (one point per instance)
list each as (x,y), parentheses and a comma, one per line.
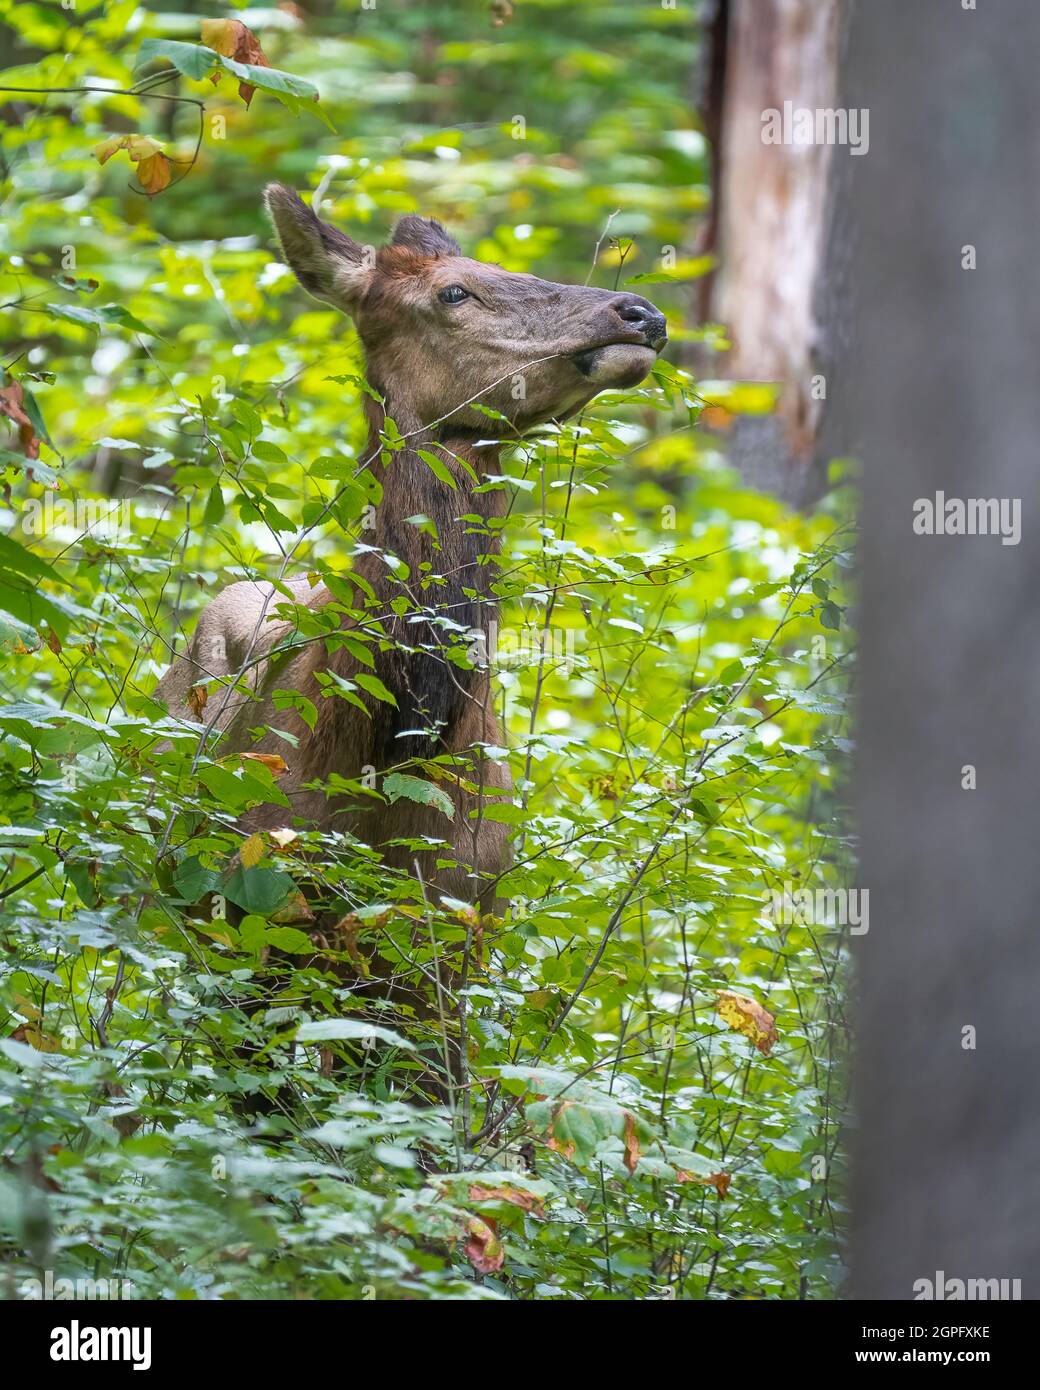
(940,395)
(768,223)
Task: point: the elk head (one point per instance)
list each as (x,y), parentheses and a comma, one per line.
(442,332)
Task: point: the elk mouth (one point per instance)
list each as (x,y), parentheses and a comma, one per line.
(620,364)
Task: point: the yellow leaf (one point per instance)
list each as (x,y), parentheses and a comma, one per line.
(136,146)
(142,147)
(220,35)
(746,1016)
(221,934)
(272,761)
(154,173)
(104,151)
(33,1036)
(252,851)
(154,169)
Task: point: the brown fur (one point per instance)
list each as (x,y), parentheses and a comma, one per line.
(430,361)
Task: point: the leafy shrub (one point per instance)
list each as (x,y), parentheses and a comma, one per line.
(205,1105)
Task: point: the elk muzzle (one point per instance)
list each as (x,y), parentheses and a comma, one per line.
(633,333)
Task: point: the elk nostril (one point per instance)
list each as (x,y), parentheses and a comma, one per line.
(635,311)
(640,313)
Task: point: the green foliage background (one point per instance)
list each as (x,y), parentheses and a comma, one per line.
(676,742)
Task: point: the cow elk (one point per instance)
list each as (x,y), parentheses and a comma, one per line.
(442,335)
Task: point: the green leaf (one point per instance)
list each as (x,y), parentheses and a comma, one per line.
(18,559)
(267,452)
(375,687)
(289,939)
(16,636)
(690,1162)
(22,1055)
(690,268)
(348,1030)
(32,409)
(193,881)
(830,616)
(398,784)
(437,467)
(289,89)
(191,59)
(101,317)
(258,890)
(549,1081)
(42,472)
(291,699)
(213,513)
(579,1126)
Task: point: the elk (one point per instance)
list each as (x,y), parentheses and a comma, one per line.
(441,335)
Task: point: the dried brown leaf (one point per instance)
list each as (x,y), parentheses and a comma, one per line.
(484,1250)
(516,1196)
(746,1016)
(12,403)
(720,1181)
(197,697)
(231,39)
(631,1142)
(296,912)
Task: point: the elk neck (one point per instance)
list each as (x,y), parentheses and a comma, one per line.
(441,550)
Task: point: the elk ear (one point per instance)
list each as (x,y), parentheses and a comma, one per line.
(327,263)
(424,235)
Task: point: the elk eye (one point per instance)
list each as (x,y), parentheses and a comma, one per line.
(453,294)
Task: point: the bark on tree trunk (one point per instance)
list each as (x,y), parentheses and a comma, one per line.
(768,224)
(940,395)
